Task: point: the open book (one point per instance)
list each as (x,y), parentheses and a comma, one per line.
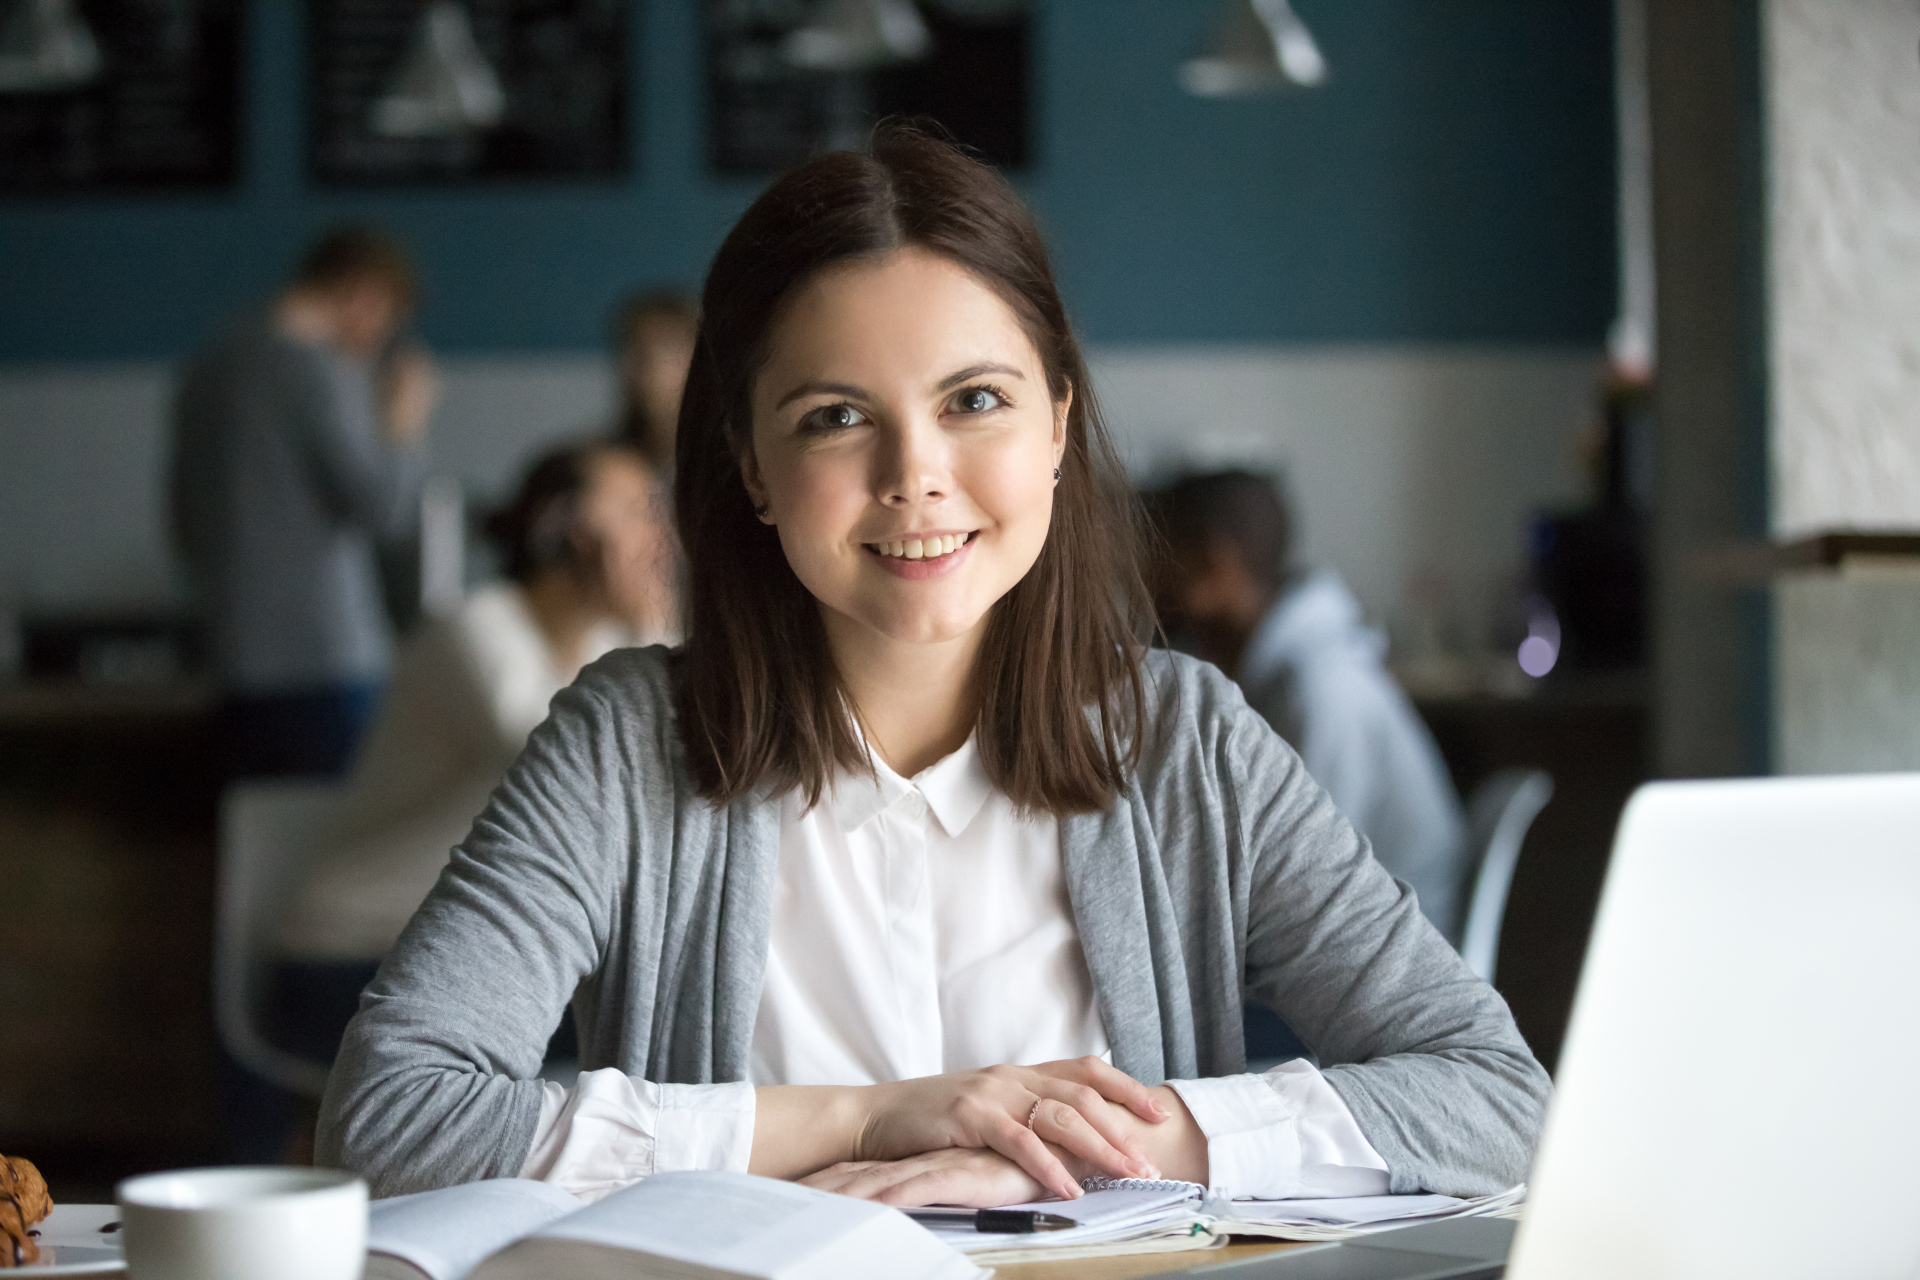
(673,1226)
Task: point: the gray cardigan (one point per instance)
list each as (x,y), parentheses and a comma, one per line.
(596,875)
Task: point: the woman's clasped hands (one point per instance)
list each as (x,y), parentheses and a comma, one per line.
(998,1135)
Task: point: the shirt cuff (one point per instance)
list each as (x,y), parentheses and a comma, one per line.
(704,1126)
(610,1130)
(1281,1135)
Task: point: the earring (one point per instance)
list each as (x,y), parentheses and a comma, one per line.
(763,508)
(1056,473)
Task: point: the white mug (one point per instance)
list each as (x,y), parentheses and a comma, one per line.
(244,1224)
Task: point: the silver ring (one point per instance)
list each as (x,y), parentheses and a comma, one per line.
(1032,1112)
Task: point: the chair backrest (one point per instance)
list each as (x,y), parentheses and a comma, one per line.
(1502,809)
(269,832)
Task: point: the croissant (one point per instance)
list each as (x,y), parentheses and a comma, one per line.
(23,1202)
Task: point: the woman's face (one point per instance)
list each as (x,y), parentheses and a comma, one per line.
(904,444)
(627,540)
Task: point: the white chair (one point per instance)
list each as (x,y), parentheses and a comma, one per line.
(268,833)
(1502,809)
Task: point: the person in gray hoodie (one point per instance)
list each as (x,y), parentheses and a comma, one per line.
(1295,642)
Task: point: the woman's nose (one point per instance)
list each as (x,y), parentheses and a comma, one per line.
(915,466)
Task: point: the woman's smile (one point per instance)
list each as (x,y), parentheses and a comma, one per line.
(921,556)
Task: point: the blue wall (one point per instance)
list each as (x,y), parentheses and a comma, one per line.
(1452,183)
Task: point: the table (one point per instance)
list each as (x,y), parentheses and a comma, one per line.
(1128,1265)
(78,1224)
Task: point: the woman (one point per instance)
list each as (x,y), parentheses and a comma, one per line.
(588,558)
(912,812)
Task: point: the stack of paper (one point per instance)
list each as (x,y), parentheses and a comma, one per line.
(1359,1215)
(1165,1217)
(1131,1217)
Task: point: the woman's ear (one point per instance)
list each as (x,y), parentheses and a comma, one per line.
(756,489)
(1061,408)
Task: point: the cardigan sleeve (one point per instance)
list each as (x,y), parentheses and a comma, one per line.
(435,1082)
(1425,1054)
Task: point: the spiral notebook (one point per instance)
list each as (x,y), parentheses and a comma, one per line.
(1116,1215)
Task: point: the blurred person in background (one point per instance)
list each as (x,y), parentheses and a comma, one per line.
(590,562)
(296,453)
(1295,642)
(653,335)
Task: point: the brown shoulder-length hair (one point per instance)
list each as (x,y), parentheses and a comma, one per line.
(760,700)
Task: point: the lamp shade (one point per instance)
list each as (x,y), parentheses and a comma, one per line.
(446,86)
(45,46)
(1255,46)
(854,35)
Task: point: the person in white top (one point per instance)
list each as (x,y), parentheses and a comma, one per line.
(588,554)
(900,874)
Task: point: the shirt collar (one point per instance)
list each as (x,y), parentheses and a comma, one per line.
(955,789)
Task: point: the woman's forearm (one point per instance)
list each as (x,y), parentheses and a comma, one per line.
(801,1129)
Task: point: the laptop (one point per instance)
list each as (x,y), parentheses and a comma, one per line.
(1739,1092)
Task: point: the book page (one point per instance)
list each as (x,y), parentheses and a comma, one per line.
(733,1223)
(446,1233)
(689,1216)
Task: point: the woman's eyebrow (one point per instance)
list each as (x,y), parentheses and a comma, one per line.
(973,371)
(821,389)
(852,392)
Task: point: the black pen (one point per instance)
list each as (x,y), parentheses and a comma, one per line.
(999,1221)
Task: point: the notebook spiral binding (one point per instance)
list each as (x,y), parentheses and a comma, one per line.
(1142,1184)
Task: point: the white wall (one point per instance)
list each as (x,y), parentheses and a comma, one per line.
(1848,668)
(83,451)
(1843,124)
(1843,121)
(1403,461)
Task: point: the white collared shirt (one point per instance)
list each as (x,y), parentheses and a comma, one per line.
(921,927)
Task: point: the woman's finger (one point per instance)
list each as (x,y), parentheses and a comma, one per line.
(1085,1103)
(1022,1146)
(974,1183)
(1061,1124)
(864,1180)
(835,1176)
(1109,1082)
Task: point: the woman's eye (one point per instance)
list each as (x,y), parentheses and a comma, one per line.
(978,400)
(834,417)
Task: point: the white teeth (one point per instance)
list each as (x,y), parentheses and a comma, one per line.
(923,548)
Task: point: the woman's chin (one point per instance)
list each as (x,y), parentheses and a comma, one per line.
(921,627)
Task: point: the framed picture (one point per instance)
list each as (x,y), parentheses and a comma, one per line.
(102,94)
(410,91)
(789,78)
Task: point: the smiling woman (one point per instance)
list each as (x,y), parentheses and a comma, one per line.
(914,874)
(885,358)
